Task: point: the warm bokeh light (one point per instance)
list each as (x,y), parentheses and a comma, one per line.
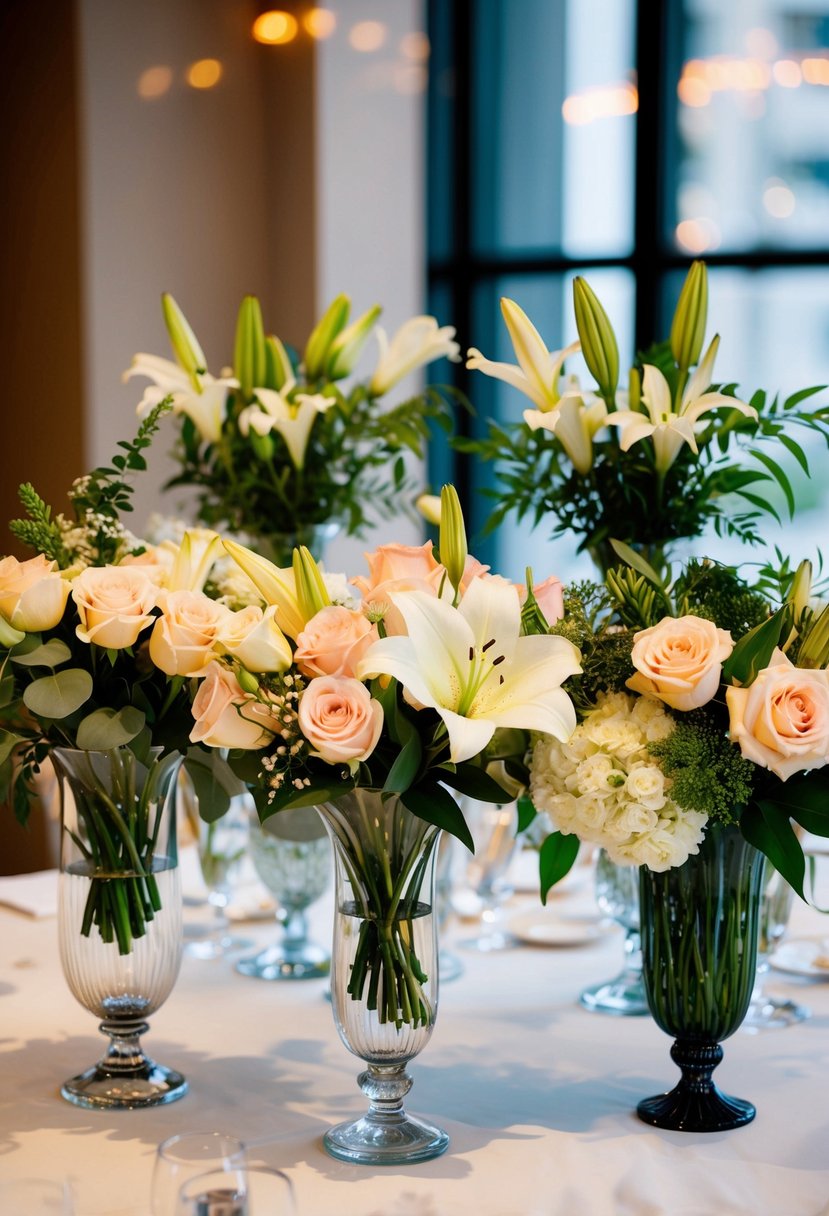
(693,91)
(761,43)
(367,35)
(608,102)
(815,70)
(204,73)
(701,78)
(410,78)
(155,82)
(697,235)
(320,22)
(415,46)
(787,73)
(778,199)
(275,28)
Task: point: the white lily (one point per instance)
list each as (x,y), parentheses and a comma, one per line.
(417,342)
(471,666)
(292,419)
(669,429)
(201,396)
(199,549)
(574,422)
(539,369)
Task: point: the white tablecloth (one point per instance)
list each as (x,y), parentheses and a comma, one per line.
(537,1094)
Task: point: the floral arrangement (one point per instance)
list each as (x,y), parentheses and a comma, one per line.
(276,446)
(701,701)
(647,465)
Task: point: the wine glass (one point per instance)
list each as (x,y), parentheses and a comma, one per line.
(36,1197)
(292,856)
(493,827)
(450,966)
(241,1190)
(772,1012)
(222,846)
(617,894)
(186,1156)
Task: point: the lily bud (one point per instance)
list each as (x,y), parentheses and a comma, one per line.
(346,347)
(8,635)
(184,342)
(249,361)
(690,318)
(429,507)
(801,589)
(634,388)
(814,650)
(598,341)
(262,445)
(247,681)
(279,371)
(276,586)
(199,549)
(453,547)
(311,591)
(323,334)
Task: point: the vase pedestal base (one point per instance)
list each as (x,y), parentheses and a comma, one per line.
(125,1079)
(696,1104)
(389,1141)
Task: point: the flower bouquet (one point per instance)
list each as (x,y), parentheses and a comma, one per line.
(277,447)
(649,465)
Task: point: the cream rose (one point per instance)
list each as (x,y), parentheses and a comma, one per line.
(679,661)
(645,785)
(333,642)
(32,593)
(340,719)
(114,603)
(254,638)
(226,716)
(395,568)
(184,637)
(781,721)
(156,561)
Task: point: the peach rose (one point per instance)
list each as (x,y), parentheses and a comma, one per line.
(184,636)
(226,716)
(333,642)
(32,593)
(114,603)
(340,719)
(156,561)
(253,638)
(679,661)
(781,721)
(399,568)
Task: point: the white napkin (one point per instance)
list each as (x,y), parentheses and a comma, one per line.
(34,894)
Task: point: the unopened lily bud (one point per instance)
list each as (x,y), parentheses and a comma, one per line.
(8,635)
(325,331)
(801,589)
(262,445)
(429,507)
(184,342)
(598,341)
(278,368)
(453,547)
(311,591)
(690,318)
(634,388)
(247,681)
(814,650)
(346,347)
(249,351)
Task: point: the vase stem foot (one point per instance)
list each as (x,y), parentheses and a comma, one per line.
(696,1104)
(125,1079)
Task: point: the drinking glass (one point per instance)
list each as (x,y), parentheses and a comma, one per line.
(242,1190)
(222,846)
(36,1197)
(186,1156)
(617,894)
(493,827)
(450,966)
(772,1012)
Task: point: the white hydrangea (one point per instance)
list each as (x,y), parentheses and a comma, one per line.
(604,786)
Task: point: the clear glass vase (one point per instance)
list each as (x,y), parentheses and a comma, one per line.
(278,547)
(617,894)
(768,1012)
(384,979)
(119,912)
(292,856)
(700,924)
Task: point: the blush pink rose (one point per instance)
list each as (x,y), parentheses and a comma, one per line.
(114,603)
(781,721)
(395,568)
(340,719)
(226,716)
(549,597)
(679,661)
(184,636)
(33,594)
(333,642)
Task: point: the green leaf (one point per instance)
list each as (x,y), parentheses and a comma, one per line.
(778,475)
(768,828)
(754,650)
(555,859)
(432,802)
(796,450)
(59,695)
(632,558)
(6,691)
(104,729)
(8,742)
(806,800)
(475,783)
(526,813)
(405,768)
(50,654)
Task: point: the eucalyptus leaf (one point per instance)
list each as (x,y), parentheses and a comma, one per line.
(8,742)
(555,859)
(214,782)
(59,695)
(49,654)
(107,728)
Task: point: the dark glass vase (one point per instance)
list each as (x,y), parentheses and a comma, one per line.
(700,924)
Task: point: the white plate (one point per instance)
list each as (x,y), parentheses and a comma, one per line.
(797,957)
(538,928)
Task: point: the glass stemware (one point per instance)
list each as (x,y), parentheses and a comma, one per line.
(768,1012)
(241,1190)
(450,966)
(493,827)
(189,1155)
(617,894)
(222,847)
(292,856)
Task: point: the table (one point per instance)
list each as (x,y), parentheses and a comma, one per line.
(537,1094)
